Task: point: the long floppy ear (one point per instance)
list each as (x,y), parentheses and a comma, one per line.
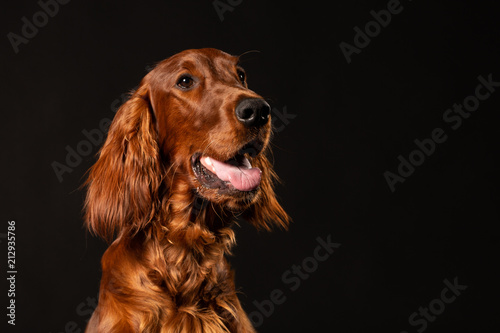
(123,184)
(266,212)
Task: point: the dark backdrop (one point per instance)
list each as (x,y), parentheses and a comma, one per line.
(340,126)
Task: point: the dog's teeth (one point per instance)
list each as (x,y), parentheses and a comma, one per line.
(246,162)
(208,161)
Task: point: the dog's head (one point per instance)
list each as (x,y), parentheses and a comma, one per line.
(192,128)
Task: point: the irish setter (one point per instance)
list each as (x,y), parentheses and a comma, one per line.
(184,156)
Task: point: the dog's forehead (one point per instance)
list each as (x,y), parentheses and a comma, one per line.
(205,60)
(199,62)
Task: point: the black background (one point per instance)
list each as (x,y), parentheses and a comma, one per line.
(351,123)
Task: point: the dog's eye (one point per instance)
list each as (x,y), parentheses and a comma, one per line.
(185,82)
(241,75)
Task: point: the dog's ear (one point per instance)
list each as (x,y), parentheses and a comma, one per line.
(123,184)
(266,212)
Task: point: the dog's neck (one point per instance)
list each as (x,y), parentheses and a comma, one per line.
(188,253)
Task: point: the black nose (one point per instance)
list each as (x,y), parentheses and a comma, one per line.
(253,112)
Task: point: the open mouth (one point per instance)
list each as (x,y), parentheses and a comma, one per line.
(233,175)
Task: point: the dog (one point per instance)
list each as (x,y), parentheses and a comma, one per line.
(184,156)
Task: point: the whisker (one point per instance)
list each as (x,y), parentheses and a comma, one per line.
(245,53)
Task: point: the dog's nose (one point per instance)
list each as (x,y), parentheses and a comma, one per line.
(253,112)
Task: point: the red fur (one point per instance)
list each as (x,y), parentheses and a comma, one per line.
(165,271)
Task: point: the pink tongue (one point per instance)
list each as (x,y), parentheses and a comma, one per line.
(243,177)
